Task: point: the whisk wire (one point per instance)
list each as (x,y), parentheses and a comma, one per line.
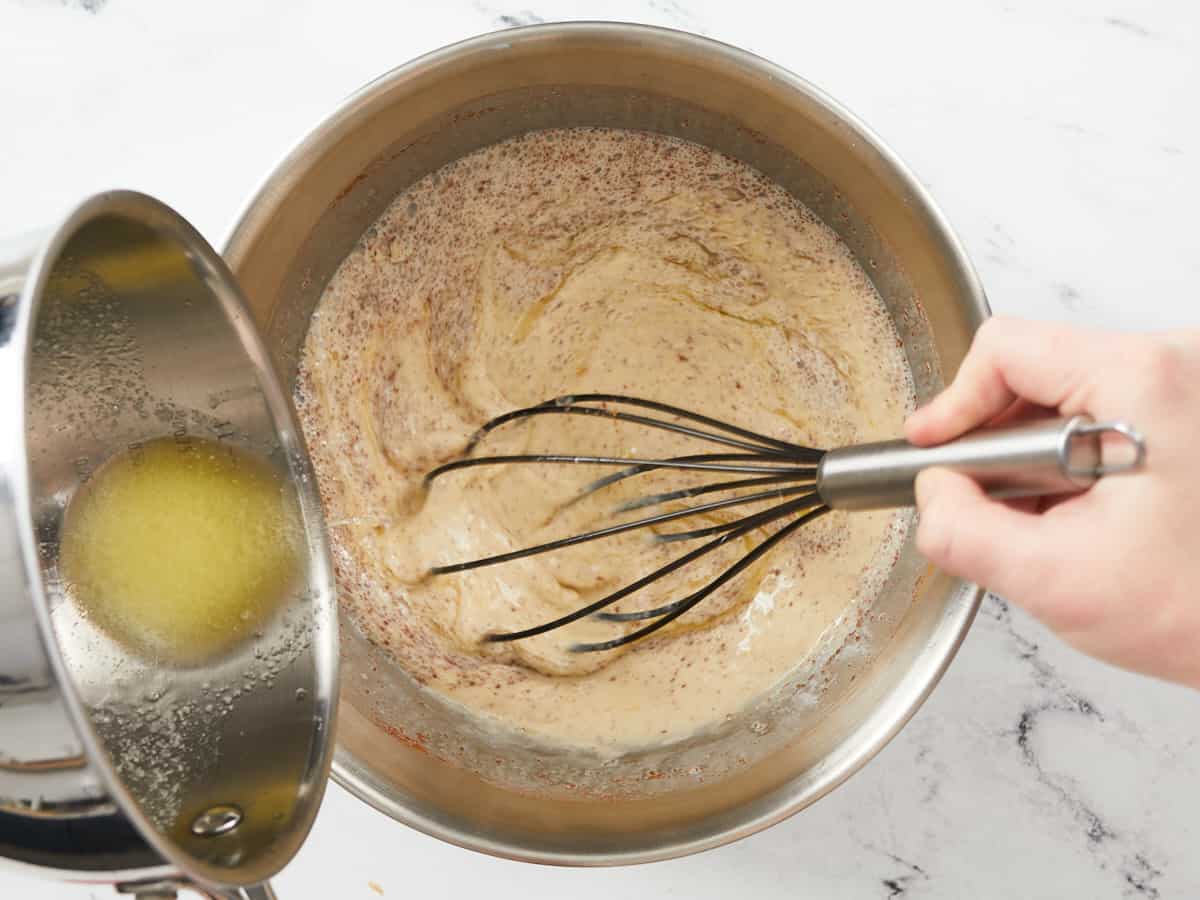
(809,513)
(697,597)
(686,493)
(623,527)
(574,459)
(617,595)
(631,471)
(770,461)
(572,405)
(610,599)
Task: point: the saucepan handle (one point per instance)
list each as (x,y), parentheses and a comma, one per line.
(169,889)
(1054,456)
(262,891)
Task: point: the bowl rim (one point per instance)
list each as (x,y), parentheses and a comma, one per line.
(874,733)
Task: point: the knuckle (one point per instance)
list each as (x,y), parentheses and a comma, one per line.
(990,333)
(1002,331)
(1162,366)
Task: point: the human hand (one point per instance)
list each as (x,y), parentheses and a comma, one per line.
(1115,570)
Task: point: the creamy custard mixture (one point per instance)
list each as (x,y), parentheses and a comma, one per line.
(588,260)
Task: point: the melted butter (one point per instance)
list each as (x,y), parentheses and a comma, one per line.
(180,549)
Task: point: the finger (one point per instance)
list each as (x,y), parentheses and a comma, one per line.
(1017,413)
(1044,364)
(965,533)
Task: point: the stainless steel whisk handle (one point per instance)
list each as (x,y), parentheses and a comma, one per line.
(1047,457)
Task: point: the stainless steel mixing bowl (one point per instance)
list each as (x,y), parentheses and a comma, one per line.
(408,754)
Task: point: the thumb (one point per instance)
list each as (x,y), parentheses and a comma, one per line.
(966,533)
(1048,365)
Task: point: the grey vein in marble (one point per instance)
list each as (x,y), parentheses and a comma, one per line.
(1112,849)
(677,14)
(1070,297)
(516,19)
(1130,27)
(900,884)
(999,246)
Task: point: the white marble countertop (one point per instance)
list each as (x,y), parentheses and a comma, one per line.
(1063,141)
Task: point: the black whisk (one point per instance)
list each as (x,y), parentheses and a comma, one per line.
(1047,457)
